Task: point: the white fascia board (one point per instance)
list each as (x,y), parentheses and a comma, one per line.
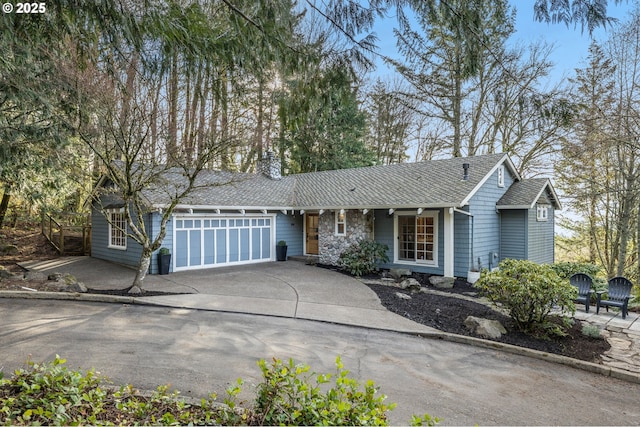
(507,207)
(226,208)
(383,206)
(556,199)
(505,160)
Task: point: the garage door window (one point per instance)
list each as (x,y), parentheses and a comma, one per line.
(208,242)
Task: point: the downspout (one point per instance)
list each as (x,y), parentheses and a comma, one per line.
(471,265)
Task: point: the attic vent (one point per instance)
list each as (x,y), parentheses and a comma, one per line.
(465,173)
(270,165)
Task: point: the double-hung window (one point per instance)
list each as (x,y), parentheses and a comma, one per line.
(417,237)
(117,227)
(542,212)
(341,223)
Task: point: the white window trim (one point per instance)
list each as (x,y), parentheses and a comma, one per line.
(501,176)
(110,243)
(344,222)
(542,213)
(396,259)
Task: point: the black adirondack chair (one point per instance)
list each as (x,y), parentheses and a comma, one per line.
(583,283)
(617,295)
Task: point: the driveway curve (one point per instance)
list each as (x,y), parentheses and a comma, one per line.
(198,352)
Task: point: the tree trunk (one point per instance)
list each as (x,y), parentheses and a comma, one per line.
(141,273)
(4,205)
(457,119)
(625,222)
(172,137)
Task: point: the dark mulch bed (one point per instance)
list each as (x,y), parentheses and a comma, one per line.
(449,313)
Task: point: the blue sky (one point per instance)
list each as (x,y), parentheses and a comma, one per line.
(571,45)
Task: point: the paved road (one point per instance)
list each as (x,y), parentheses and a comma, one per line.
(199,352)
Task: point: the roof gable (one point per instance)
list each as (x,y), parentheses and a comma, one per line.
(525,194)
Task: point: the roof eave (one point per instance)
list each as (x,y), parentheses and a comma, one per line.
(512,207)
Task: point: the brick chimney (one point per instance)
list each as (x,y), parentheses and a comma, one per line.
(270,165)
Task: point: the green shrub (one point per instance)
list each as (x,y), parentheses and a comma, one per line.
(49,394)
(528,291)
(567,269)
(291,395)
(591,331)
(362,257)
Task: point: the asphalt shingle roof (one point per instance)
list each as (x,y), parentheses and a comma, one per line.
(422,184)
(526,193)
(435,183)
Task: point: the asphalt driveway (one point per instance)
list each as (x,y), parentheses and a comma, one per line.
(285,289)
(199,352)
(206,349)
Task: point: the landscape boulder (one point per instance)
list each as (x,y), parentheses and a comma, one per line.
(402,296)
(399,273)
(442,282)
(410,284)
(34,275)
(54,276)
(485,328)
(77,287)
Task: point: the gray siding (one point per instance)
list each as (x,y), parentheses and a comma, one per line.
(154,229)
(462,244)
(486,229)
(513,234)
(383,231)
(541,237)
(290,229)
(100,243)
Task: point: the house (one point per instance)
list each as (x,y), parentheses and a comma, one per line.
(441,217)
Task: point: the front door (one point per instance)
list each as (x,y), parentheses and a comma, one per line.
(312,233)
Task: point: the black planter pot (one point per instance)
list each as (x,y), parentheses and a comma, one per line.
(281,253)
(164,261)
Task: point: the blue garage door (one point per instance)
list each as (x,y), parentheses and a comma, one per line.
(203,242)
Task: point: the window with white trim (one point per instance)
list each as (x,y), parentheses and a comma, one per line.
(117,227)
(341,223)
(501,176)
(417,237)
(542,213)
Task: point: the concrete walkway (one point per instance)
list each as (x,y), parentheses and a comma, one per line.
(295,290)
